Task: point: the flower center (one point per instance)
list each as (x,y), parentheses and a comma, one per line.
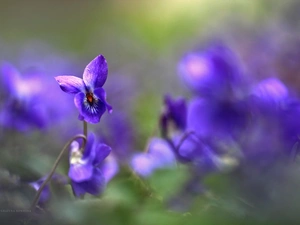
(90,98)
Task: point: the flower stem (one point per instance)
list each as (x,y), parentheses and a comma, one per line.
(37,197)
(85,134)
(85,128)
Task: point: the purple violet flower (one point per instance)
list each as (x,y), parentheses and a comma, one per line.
(218,118)
(46,194)
(175,111)
(86,171)
(270,94)
(23,108)
(90,97)
(159,156)
(213,72)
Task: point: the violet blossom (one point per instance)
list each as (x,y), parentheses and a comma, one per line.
(46,194)
(23,107)
(86,172)
(158,156)
(90,97)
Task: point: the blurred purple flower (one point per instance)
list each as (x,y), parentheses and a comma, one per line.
(175,111)
(213,72)
(270,94)
(109,168)
(118,134)
(86,171)
(46,194)
(23,102)
(90,98)
(207,117)
(159,156)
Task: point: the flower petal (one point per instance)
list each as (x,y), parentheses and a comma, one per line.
(176,110)
(10,76)
(101,94)
(142,164)
(102,151)
(80,172)
(90,113)
(162,152)
(95,73)
(89,152)
(94,186)
(110,168)
(70,84)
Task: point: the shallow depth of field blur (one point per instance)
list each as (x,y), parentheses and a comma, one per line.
(143,43)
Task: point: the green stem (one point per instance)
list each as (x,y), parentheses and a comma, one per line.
(37,197)
(85,134)
(85,128)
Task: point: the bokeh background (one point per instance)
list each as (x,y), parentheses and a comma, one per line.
(143,42)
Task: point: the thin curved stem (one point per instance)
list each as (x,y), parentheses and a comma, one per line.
(85,128)
(37,197)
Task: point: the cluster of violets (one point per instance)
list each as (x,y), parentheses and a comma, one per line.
(25,108)
(230,121)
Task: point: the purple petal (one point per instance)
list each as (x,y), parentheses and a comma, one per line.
(90,114)
(70,84)
(271,91)
(80,172)
(199,117)
(109,168)
(142,164)
(89,152)
(45,194)
(101,94)
(176,111)
(102,151)
(162,153)
(10,76)
(94,186)
(196,70)
(78,188)
(95,73)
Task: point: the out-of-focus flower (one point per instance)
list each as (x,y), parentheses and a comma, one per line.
(109,168)
(271,93)
(86,171)
(174,111)
(159,156)
(46,194)
(90,98)
(213,72)
(208,118)
(23,108)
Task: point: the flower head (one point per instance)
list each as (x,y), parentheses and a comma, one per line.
(270,94)
(175,111)
(85,171)
(46,194)
(23,108)
(159,156)
(90,97)
(212,72)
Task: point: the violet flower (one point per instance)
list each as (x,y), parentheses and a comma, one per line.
(46,194)
(90,97)
(158,156)
(270,94)
(175,111)
(86,171)
(23,107)
(213,72)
